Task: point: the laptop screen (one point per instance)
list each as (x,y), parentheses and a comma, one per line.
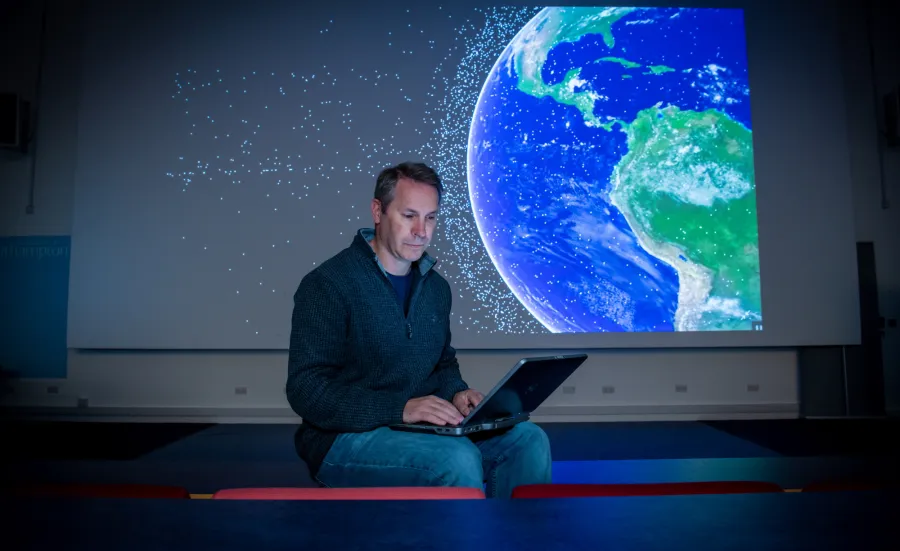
(526,386)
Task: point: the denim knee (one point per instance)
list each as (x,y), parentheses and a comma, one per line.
(534,438)
(460,464)
(515,458)
(535,445)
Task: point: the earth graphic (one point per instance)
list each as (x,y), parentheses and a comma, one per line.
(611,175)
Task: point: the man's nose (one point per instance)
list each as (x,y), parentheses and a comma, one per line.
(419,227)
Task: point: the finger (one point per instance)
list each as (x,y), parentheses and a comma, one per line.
(445,419)
(461,406)
(471,399)
(466,404)
(433,419)
(476,398)
(447,412)
(444,405)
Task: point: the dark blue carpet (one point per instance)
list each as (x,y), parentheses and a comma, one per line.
(206,458)
(206,477)
(570,442)
(657,440)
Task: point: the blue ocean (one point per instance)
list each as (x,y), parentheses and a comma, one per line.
(540,176)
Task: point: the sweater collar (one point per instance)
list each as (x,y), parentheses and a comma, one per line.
(361,242)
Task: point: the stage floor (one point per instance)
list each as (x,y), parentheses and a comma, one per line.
(207,457)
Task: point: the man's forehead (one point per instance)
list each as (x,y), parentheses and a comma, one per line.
(417,199)
(417,208)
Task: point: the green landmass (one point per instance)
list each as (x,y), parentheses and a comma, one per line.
(658,69)
(651,69)
(565,93)
(686,187)
(563,25)
(621,61)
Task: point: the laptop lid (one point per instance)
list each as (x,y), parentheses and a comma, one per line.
(527,385)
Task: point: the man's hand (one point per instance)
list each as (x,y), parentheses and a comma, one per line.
(466,400)
(431,409)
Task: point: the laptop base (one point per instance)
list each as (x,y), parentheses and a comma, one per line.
(464,430)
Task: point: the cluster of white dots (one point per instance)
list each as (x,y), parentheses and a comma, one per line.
(285,147)
(472,274)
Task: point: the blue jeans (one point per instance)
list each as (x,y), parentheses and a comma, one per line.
(385,457)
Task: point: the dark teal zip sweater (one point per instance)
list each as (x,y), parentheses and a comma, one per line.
(355,358)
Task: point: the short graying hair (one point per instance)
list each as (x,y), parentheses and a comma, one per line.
(417,172)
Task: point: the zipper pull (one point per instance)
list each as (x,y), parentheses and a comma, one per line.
(408,331)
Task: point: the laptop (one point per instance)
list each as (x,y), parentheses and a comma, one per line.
(513,399)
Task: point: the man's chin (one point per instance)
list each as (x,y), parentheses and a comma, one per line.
(413,253)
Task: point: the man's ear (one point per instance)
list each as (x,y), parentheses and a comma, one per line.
(376,211)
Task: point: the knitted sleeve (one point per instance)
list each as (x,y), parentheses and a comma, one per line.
(317,347)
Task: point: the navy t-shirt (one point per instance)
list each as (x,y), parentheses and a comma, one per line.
(402,284)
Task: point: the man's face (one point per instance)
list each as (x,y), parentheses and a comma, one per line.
(405,229)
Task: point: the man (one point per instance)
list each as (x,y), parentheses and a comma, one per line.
(370,347)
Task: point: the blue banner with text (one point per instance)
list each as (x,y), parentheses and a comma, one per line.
(34,293)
